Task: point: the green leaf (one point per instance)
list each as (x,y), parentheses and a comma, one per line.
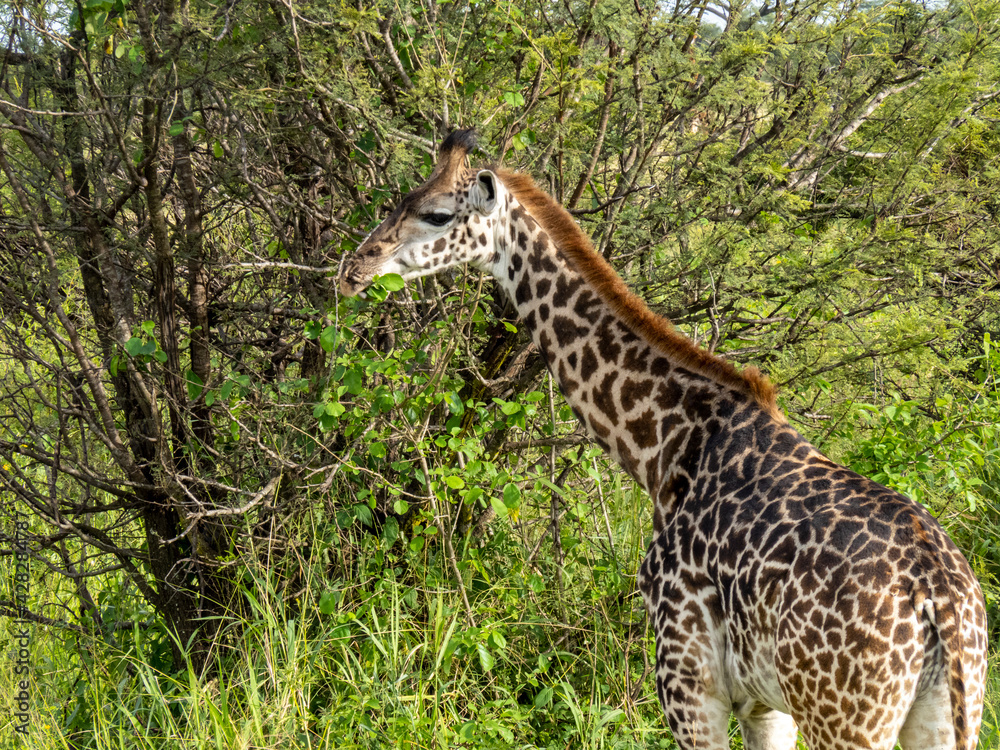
(364,514)
(391,281)
(195,385)
(133,345)
(328,602)
(329,338)
(510,408)
(454,402)
(352,380)
(390,531)
(176,127)
(486,659)
(543,698)
(456,483)
(498,506)
(375,293)
(536,583)
(377,450)
(513,98)
(217,151)
(511,495)
(504,732)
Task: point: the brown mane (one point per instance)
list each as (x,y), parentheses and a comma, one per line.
(658,331)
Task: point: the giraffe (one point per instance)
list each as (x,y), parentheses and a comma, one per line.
(782,588)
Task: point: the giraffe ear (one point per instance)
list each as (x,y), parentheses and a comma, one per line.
(483,195)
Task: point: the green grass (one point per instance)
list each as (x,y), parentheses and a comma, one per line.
(373,672)
(364,644)
(379,669)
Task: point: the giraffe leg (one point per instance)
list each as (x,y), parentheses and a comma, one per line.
(690,673)
(928,724)
(698,719)
(764,728)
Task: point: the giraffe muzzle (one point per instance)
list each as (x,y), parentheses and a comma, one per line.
(351,287)
(352,280)
(371,259)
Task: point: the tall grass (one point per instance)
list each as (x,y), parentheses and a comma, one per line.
(357,643)
(377,649)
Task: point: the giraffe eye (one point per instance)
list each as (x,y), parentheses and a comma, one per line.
(436,218)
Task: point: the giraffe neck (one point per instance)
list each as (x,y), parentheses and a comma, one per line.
(645,392)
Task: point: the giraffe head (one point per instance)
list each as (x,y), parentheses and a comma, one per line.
(447,221)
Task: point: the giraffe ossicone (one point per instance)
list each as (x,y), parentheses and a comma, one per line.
(782,587)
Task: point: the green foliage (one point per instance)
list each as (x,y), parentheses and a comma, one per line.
(388,656)
(948,458)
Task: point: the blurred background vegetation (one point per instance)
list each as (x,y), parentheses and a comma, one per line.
(261,516)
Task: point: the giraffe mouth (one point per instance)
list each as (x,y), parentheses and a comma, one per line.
(353,284)
(359,270)
(355,276)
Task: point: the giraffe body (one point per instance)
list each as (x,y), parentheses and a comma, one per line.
(782,587)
